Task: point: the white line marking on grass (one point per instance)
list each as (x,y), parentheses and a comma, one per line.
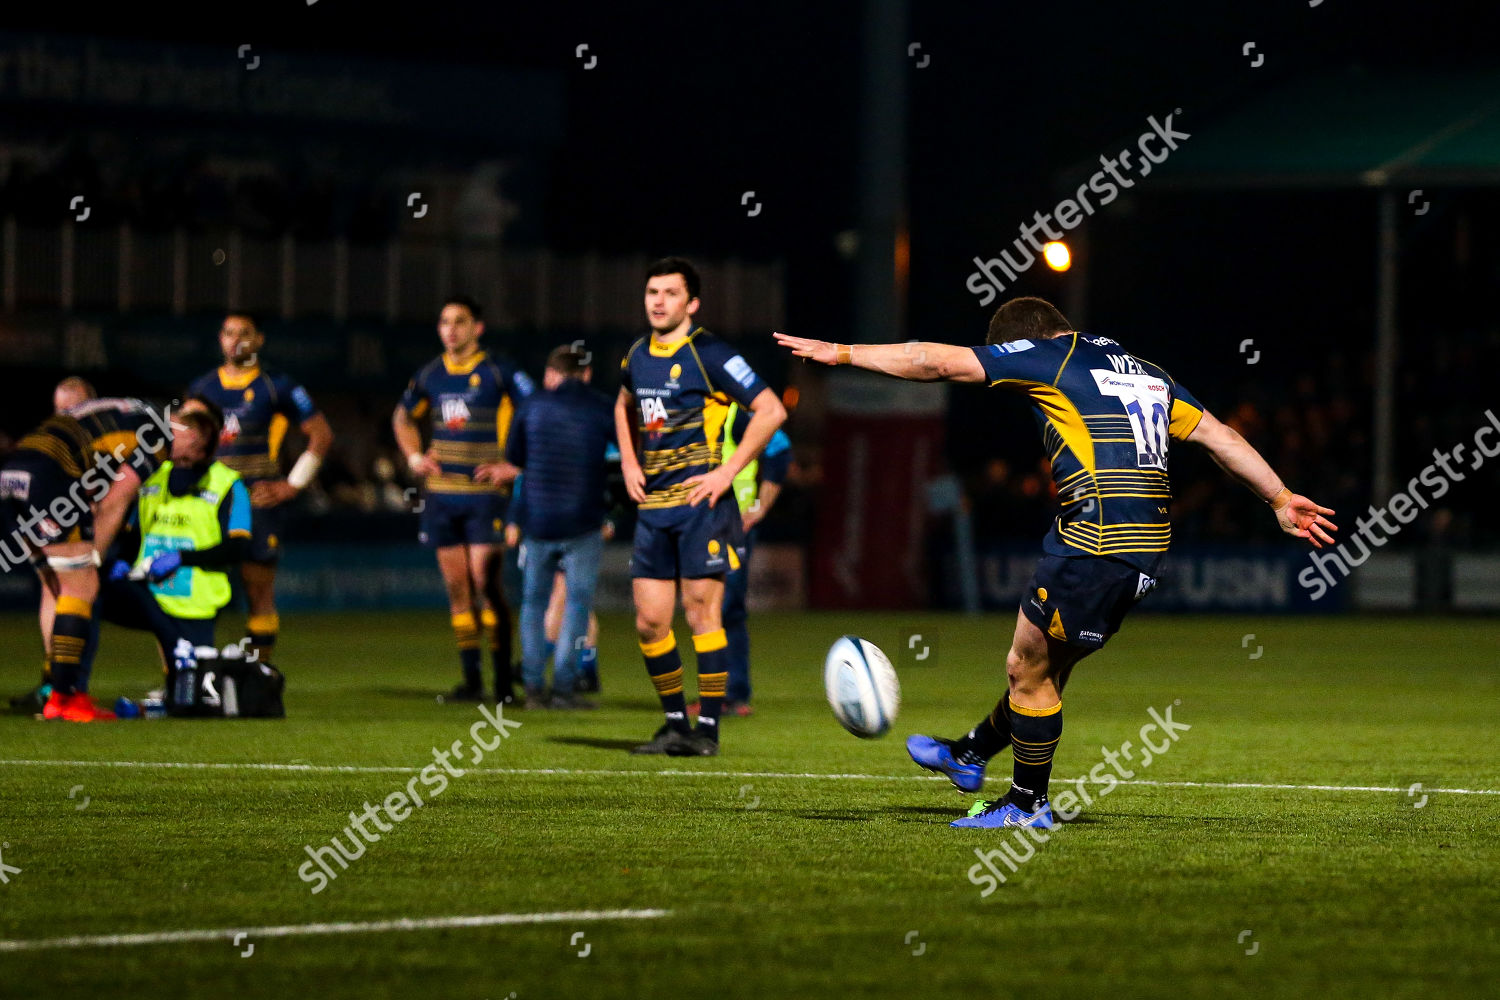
(301,930)
(607,773)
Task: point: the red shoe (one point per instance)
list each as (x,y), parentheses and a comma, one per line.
(53,709)
(79,707)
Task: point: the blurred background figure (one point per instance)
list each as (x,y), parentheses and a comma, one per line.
(559,443)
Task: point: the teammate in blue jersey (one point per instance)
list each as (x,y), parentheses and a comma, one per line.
(1107,419)
(259,405)
(677,386)
(470,397)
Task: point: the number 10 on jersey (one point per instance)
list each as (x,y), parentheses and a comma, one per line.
(1147,401)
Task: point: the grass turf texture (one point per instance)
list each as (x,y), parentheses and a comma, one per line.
(784,886)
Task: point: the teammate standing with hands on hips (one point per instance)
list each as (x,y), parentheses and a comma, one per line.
(471,398)
(258,406)
(677,387)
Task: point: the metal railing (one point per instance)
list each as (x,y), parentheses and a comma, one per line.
(78,267)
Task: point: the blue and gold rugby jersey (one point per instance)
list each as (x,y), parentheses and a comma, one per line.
(471,405)
(1107,419)
(682,395)
(77,437)
(258,406)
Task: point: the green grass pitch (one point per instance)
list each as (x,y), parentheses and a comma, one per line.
(800,862)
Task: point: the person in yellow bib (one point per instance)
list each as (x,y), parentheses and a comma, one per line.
(193,516)
(756,488)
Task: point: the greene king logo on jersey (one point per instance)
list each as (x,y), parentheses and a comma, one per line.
(455,414)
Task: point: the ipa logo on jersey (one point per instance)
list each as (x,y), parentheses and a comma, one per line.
(231,428)
(653,413)
(455,414)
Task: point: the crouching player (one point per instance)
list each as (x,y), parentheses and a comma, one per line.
(63,496)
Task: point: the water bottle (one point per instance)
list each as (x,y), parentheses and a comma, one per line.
(153,708)
(184,676)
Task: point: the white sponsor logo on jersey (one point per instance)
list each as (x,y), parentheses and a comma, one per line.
(739,370)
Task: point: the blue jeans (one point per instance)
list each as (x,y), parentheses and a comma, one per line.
(736,587)
(540,559)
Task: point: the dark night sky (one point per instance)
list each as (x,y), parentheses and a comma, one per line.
(692,104)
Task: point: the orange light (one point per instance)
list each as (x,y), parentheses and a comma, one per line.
(1057,255)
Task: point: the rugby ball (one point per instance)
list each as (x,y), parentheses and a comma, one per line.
(862,687)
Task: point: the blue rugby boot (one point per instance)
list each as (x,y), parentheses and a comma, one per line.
(1006,813)
(936,754)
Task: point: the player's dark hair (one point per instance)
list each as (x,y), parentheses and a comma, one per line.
(475,309)
(569,360)
(676,265)
(206,427)
(246,314)
(1026,318)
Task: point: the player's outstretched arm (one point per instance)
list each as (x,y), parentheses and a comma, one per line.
(630,466)
(918,361)
(1297,515)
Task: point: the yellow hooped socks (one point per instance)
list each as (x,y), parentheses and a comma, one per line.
(466,634)
(1034,733)
(262,631)
(713,678)
(70,636)
(665,667)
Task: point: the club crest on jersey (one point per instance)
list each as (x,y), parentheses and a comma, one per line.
(672,376)
(455,414)
(249,396)
(474,381)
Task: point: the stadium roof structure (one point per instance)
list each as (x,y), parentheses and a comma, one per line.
(1351,132)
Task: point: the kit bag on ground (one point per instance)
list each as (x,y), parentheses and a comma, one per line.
(205,683)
